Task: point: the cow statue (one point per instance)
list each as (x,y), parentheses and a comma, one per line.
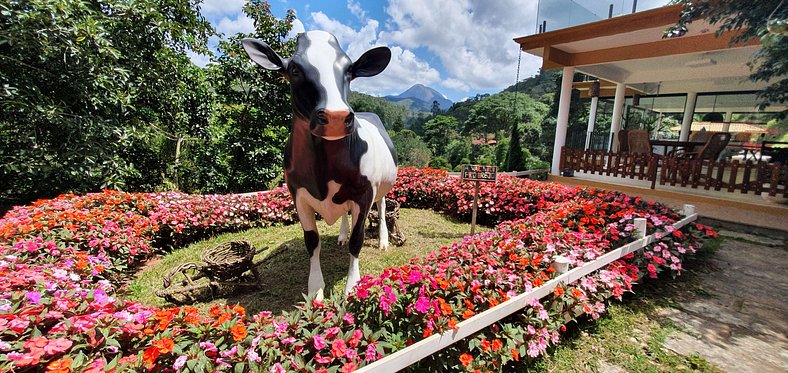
(336,161)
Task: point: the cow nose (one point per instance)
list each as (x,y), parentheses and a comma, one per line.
(325,117)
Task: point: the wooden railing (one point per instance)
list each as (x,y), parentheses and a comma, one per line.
(758,177)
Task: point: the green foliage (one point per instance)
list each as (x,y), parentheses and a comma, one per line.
(498,112)
(753,19)
(515,157)
(411,149)
(439,132)
(440,163)
(84,84)
(459,151)
(393,116)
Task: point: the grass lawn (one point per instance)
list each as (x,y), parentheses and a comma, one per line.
(285,275)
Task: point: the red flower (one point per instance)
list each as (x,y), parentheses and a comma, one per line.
(338,348)
(466,359)
(497,344)
(163,345)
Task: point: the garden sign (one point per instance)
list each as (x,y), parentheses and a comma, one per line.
(477,173)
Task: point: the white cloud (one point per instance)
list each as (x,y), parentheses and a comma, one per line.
(241,23)
(200,60)
(404,70)
(472,38)
(356,9)
(221,7)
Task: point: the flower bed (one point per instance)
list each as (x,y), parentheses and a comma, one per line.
(59,259)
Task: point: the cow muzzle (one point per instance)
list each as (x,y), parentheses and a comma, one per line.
(332,124)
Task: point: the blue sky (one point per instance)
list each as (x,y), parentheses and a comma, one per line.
(459,47)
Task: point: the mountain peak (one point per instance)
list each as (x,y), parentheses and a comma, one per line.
(425,94)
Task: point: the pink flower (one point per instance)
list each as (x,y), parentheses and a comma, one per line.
(277,368)
(533,349)
(332,332)
(56,346)
(423,305)
(349,367)
(319,342)
(371,354)
(323,359)
(253,356)
(338,348)
(348,318)
(180,362)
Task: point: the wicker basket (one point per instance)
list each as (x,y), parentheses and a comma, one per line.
(228,260)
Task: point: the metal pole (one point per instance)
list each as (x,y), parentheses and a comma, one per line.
(475,206)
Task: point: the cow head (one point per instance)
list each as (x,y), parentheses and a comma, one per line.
(320,73)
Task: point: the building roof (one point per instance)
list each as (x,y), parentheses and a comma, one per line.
(631,49)
(735,127)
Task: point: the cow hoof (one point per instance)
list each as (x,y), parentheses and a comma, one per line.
(319,295)
(384,246)
(342,242)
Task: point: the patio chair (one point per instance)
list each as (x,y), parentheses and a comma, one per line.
(638,142)
(709,151)
(623,144)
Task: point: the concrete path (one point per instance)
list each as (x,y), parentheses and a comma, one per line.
(738,317)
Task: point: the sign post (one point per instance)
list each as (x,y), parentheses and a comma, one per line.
(477,173)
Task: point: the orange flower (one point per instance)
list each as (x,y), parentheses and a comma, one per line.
(239,310)
(60,365)
(496,344)
(427,333)
(558,291)
(577,293)
(466,359)
(151,354)
(467,314)
(485,344)
(453,324)
(493,302)
(238,332)
(515,354)
(164,345)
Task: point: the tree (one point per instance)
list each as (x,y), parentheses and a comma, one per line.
(87,86)
(251,124)
(458,150)
(393,116)
(436,108)
(439,131)
(766,20)
(515,159)
(411,149)
(497,112)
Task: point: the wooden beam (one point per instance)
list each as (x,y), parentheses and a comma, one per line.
(661,48)
(555,58)
(610,92)
(663,16)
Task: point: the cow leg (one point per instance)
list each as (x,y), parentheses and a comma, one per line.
(359,212)
(383,234)
(315,284)
(343,231)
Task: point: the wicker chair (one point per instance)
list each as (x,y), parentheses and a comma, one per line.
(623,144)
(638,142)
(709,151)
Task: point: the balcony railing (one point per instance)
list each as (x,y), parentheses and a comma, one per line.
(759,177)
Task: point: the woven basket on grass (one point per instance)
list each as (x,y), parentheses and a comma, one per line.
(228,260)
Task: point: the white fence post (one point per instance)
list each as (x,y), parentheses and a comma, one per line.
(689,210)
(560,264)
(640,227)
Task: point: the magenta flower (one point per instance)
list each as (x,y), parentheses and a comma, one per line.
(319,342)
(423,305)
(33,297)
(348,318)
(371,354)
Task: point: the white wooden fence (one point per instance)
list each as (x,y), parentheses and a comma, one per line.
(436,342)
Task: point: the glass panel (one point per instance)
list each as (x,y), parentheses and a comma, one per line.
(558,14)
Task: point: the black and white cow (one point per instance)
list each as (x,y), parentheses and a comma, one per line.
(335,160)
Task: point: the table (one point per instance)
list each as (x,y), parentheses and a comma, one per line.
(675,144)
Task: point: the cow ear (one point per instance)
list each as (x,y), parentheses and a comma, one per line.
(372,62)
(262,54)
